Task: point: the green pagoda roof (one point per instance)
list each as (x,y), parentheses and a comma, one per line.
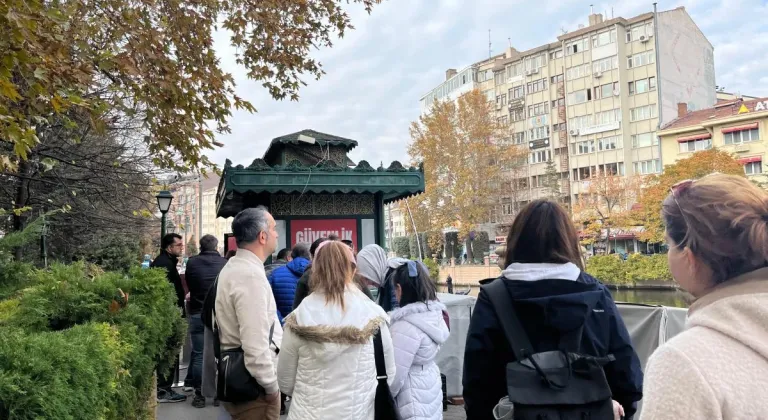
(395,182)
(321,139)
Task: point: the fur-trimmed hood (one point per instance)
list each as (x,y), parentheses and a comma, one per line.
(329,330)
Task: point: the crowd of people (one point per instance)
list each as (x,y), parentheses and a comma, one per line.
(349,335)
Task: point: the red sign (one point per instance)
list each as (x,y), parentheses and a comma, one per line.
(310,230)
(231,243)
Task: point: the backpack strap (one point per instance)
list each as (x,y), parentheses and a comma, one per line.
(378,352)
(510,323)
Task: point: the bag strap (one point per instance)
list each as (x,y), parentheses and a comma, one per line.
(378,351)
(510,323)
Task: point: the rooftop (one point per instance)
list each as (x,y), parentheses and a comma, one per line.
(722,110)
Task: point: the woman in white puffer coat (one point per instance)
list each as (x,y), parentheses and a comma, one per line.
(418,329)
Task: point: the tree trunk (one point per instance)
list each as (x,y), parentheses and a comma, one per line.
(22,196)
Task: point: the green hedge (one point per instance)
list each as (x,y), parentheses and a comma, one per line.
(638,268)
(434,269)
(401,246)
(74,348)
(413,246)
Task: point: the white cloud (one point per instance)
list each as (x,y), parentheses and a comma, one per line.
(377,72)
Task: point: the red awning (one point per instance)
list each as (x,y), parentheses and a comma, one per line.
(696,137)
(751,159)
(740,128)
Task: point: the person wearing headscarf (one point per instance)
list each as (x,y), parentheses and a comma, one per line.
(374,267)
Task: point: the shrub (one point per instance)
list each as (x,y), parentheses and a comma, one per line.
(401,247)
(481,245)
(74,347)
(112,252)
(434,270)
(413,246)
(452,245)
(611,269)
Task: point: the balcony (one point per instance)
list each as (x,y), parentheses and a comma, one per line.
(561,90)
(616,125)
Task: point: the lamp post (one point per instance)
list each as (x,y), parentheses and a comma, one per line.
(164,199)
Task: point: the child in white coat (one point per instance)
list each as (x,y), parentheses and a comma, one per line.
(418,329)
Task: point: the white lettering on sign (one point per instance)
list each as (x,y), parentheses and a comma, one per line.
(309,235)
(761,106)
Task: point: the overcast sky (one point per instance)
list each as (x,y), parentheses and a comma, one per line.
(377,73)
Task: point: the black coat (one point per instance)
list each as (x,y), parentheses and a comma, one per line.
(168,262)
(201,273)
(544,308)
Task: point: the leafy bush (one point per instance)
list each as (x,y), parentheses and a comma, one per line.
(113,252)
(434,270)
(413,246)
(401,247)
(611,269)
(75,347)
(481,245)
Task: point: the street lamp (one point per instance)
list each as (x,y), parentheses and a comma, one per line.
(164,199)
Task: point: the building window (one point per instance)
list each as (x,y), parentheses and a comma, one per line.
(609,143)
(695,145)
(580,122)
(606,90)
(541,156)
(644,140)
(743,136)
(583,147)
(642,85)
(557,79)
(577,72)
(606,64)
(484,75)
(503,121)
(538,133)
(499,78)
(643,29)
(517,114)
(642,113)
(604,38)
(537,86)
(536,62)
(489,95)
(559,127)
(607,117)
(577,46)
(538,109)
(514,70)
(645,167)
(501,99)
(556,54)
(517,92)
(579,96)
(519,138)
(753,168)
(642,59)
(558,102)
(586,172)
(611,169)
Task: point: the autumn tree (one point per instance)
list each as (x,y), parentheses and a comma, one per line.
(463,150)
(603,203)
(551,182)
(657,187)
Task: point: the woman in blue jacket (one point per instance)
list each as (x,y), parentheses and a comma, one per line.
(550,293)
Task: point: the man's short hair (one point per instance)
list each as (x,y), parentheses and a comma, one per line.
(316,244)
(168,240)
(208,243)
(333,237)
(348,243)
(283,254)
(301,250)
(248,224)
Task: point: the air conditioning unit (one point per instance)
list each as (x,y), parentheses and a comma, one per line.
(574,132)
(598,74)
(534,71)
(644,38)
(616,92)
(528,72)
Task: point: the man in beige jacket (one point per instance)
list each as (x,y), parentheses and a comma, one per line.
(246,311)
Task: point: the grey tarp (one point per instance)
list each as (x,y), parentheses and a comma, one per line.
(451,356)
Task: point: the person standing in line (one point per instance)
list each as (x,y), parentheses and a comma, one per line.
(374,267)
(246,313)
(327,362)
(283,258)
(285,279)
(201,274)
(171,248)
(418,330)
(717,368)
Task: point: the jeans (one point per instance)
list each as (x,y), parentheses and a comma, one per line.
(197,336)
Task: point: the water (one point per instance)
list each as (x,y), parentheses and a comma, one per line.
(665,297)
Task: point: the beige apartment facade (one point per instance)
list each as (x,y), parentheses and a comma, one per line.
(592,101)
(737,126)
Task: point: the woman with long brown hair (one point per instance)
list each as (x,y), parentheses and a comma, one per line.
(717,232)
(326,360)
(559,306)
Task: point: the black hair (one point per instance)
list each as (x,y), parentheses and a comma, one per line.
(301,250)
(283,254)
(414,289)
(348,243)
(316,244)
(168,240)
(208,243)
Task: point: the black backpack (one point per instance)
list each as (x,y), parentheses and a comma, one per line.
(552,385)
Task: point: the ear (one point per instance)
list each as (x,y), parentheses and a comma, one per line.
(690,260)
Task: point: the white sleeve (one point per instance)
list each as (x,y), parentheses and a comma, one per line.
(251,301)
(288,362)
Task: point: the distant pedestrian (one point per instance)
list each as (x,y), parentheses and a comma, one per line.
(418,330)
(449,283)
(283,258)
(201,274)
(285,279)
(327,362)
(172,247)
(246,313)
(374,267)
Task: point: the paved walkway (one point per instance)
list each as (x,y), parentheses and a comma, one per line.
(185,411)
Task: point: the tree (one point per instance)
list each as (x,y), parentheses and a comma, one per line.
(191,247)
(154,60)
(463,150)
(604,202)
(657,187)
(552,182)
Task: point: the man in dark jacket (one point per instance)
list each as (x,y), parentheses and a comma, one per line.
(171,248)
(283,258)
(201,274)
(547,308)
(285,279)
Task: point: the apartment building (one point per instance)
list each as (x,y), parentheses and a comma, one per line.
(737,126)
(394,222)
(592,101)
